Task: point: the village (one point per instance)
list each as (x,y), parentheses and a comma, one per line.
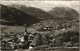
(25,40)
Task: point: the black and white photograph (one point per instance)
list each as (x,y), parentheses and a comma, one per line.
(39,25)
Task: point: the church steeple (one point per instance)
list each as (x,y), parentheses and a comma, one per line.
(25,32)
(26,29)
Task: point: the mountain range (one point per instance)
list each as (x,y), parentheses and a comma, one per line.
(21,14)
(33,11)
(11,16)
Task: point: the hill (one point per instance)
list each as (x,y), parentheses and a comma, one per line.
(64,12)
(33,11)
(11,16)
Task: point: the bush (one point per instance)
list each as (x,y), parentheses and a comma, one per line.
(69,36)
(37,40)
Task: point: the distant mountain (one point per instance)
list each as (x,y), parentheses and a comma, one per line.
(33,11)
(64,12)
(11,16)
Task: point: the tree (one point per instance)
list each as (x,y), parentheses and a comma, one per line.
(37,40)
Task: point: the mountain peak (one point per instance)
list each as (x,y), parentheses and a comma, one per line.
(64,12)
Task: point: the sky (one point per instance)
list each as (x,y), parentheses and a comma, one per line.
(46,5)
